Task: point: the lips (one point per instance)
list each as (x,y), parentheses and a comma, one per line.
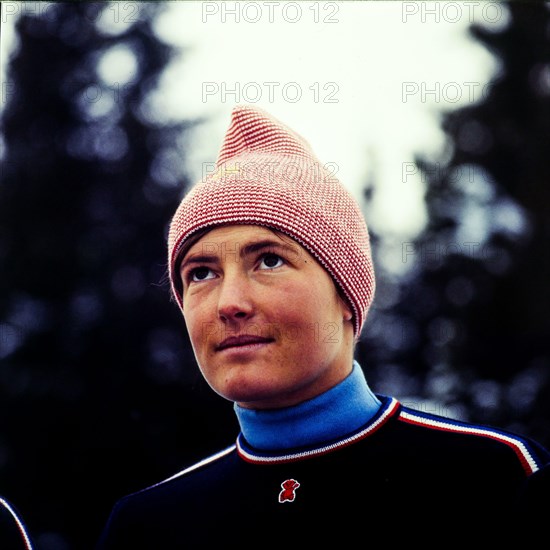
(243,340)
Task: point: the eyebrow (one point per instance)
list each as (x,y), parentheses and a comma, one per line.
(250,248)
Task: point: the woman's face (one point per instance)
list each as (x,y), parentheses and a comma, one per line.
(267,325)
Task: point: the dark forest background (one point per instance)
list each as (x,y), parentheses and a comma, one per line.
(99,392)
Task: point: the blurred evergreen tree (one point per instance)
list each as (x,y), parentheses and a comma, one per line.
(98,385)
(470,320)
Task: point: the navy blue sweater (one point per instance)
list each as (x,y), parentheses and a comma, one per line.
(13,532)
(403,476)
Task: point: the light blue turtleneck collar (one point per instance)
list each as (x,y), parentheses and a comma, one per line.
(331,415)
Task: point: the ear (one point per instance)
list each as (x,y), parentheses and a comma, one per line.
(347,314)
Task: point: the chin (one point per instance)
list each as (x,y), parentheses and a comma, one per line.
(243,390)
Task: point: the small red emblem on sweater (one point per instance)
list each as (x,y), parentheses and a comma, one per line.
(288,493)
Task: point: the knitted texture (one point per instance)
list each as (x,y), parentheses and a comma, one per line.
(266,174)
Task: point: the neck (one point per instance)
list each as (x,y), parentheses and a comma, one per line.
(335,413)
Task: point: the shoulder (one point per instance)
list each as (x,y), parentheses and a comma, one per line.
(215,459)
(537,488)
(164,503)
(469,440)
(532,510)
(13,532)
(211,466)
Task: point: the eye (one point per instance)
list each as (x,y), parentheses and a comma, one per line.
(271,261)
(200,274)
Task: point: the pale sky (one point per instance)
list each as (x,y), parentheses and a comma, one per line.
(364,82)
(373,76)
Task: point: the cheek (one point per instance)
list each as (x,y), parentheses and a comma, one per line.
(314,312)
(299,304)
(198,326)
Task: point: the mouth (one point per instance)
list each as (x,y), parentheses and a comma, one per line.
(241,341)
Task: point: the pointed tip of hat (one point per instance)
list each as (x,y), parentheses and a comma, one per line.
(254,130)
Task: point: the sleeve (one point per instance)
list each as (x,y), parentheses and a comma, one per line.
(111,537)
(121,530)
(535,497)
(13,532)
(534,503)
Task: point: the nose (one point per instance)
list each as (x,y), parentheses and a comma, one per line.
(234,300)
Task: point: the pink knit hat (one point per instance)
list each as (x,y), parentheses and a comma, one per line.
(266,174)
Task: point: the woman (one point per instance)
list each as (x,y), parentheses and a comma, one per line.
(270,263)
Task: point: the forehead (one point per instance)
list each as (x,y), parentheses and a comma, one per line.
(242,235)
